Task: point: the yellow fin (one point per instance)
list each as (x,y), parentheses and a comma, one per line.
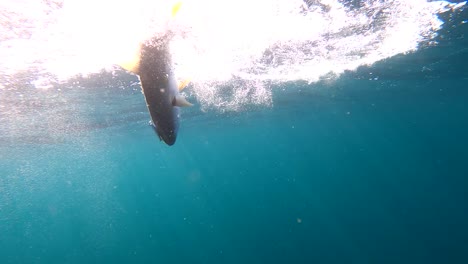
(131,61)
(176,8)
(183,84)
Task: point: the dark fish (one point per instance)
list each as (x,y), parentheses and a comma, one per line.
(160,88)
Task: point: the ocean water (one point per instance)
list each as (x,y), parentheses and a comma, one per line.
(366,164)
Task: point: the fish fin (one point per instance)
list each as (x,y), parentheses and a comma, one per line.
(180,101)
(176,8)
(183,84)
(131,60)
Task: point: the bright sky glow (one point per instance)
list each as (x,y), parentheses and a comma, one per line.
(216,41)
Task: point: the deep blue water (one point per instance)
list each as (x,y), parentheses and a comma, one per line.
(356,170)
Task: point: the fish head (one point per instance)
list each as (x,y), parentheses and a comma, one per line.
(167,124)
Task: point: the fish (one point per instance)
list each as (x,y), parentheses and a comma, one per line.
(152,63)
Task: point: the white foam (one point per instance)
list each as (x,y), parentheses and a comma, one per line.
(217,42)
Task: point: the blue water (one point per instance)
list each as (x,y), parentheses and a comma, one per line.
(369,168)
